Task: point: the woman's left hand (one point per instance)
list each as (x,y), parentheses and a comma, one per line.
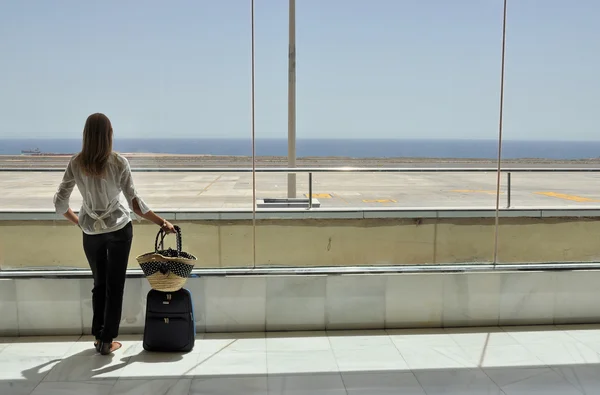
(168,227)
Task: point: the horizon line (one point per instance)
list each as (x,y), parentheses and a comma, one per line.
(311,139)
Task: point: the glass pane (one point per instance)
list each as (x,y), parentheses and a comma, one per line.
(174,80)
(552,92)
(382,85)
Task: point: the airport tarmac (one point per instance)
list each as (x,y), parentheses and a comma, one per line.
(226,190)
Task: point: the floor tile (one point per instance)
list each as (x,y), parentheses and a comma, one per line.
(457,382)
(297,341)
(213,345)
(161,365)
(132,345)
(392,383)
(594,345)
(17,387)
(506,376)
(5,341)
(83,368)
(357,340)
(253,385)
(582,333)
(538,334)
(153,387)
(314,384)
(370,359)
(231,363)
(40,346)
(32,369)
(78,388)
(550,383)
(301,362)
(564,353)
(422,337)
(526,360)
(481,337)
(436,357)
(244,342)
(503,356)
(584,378)
(82,347)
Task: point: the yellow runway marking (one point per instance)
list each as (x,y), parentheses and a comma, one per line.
(342,199)
(320,195)
(564,196)
(475,191)
(379,201)
(209,185)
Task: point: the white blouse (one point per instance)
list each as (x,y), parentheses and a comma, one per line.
(102,211)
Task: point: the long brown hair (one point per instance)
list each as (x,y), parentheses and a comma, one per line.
(97,145)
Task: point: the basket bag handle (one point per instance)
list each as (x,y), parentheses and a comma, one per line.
(162,234)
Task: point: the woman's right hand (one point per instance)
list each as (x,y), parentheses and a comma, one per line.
(168,227)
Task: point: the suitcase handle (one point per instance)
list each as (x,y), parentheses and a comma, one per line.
(162,234)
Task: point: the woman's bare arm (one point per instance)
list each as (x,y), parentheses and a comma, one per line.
(152,217)
(71,216)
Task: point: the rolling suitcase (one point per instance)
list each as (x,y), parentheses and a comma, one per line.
(170,324)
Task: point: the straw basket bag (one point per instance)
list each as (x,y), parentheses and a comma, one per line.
(167,270)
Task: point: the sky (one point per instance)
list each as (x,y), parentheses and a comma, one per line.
(406,69)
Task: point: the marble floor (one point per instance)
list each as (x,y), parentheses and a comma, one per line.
(549,360)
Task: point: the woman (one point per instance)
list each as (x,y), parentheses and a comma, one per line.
(101,175)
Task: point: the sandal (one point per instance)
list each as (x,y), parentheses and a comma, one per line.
(106,348)
(97,345)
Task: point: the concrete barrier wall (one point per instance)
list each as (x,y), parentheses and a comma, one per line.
(289,242)
(274,303)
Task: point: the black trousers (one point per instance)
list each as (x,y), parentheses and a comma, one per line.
(108,255)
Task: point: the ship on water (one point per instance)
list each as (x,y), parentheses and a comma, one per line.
(31,152)
(38,152)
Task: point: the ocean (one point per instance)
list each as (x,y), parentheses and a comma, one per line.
(459,149)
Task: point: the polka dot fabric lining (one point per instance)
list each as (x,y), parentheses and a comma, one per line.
(178,268)
(167,270)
